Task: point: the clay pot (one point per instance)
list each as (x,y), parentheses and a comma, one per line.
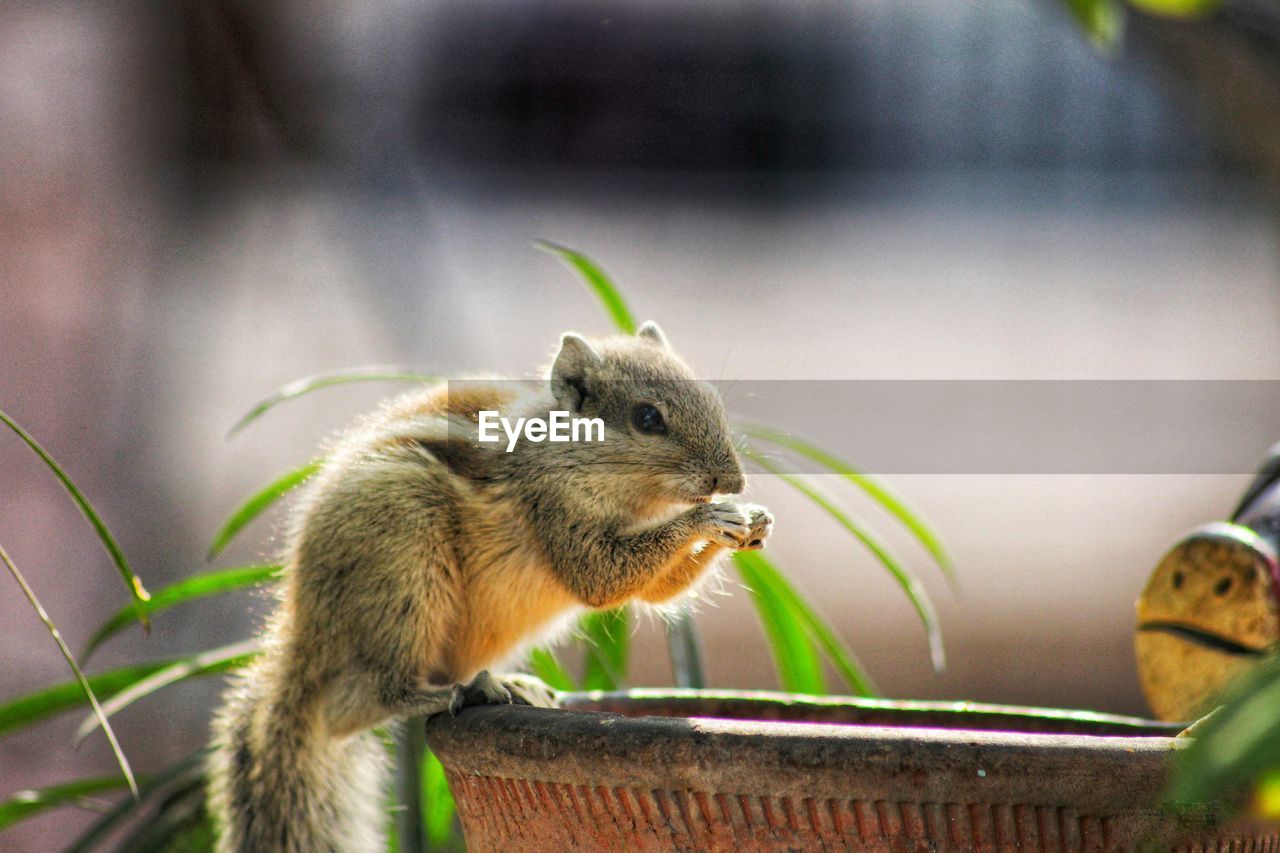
(727,770)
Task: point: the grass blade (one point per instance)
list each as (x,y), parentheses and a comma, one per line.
(916,593)
(815,626)
(35,707)
(259,502)
(794,655)
(607,635)
(231,656)
(543,664)
(1237,745)
(175,777)
(171,827)
(132,582)
(892,503)
(25,804)
(606,661)
(307,384)
(82,682)
(188,589)
(598,282)
(438,808)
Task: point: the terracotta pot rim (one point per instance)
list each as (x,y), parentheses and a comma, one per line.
(718,752)
(640,699)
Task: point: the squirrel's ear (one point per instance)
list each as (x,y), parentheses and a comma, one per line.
(575,361)
(650,332)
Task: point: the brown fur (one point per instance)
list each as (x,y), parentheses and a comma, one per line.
(419,556)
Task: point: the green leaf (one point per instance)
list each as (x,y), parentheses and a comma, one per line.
(1102,21)
(259,502)
(1235,746)
(25,804)
(231,656)
(598,282)
(307,384)
(544,665)
(607,636)
(35,707)
(176,777)
(192,832)
(794,654)
(438,808)
(916,593)
(892,503)
(603,671)
(777,585)
(179,825)
(189,589)
(131,581)
(81,685)
(1177,8)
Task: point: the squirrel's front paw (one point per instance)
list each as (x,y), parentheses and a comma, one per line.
(761,527)
(725,523)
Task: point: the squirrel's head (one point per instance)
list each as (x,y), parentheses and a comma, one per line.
(665,431)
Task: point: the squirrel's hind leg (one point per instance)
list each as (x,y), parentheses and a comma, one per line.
(406,701)
(508,689)
(528,689)
(484,689)
(402,700)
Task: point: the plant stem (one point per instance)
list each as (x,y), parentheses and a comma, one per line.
(411,744)
(685,648)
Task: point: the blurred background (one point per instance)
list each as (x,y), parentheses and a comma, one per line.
(202,201)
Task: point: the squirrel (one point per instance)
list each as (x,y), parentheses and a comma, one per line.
(418,558)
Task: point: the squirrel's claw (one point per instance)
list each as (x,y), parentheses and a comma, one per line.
(457,701)
(726,523)
(761,527)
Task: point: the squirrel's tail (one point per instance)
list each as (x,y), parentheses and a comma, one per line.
(278,783)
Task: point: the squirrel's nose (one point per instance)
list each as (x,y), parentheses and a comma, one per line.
(727,483)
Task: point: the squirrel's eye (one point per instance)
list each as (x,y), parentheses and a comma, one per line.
(646,418)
